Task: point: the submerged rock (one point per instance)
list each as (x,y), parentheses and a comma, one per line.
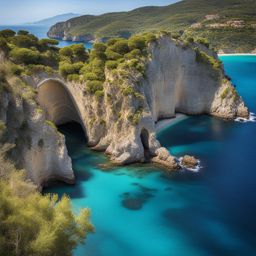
(189,161)
(133,203)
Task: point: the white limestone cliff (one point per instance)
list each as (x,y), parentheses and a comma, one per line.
(122,121)
(40,149)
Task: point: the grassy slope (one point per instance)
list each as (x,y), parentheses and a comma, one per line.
(175,17)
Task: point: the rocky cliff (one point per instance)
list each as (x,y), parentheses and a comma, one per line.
(60,31)
(178,78)
(120,119)
(39,148)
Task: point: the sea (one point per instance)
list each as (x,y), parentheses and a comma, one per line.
(139,210)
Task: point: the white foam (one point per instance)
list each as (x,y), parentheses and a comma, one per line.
(196,169)
(252,118)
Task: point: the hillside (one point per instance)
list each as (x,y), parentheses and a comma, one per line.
(52,20)
(229,25)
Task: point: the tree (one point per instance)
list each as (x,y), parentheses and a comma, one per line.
(69,69)
(99,47)
(45,43)
(74,53)
(24,41)
(121,47)
(32,224)
(24,56)
(137,42)
(7,33)
(22,33)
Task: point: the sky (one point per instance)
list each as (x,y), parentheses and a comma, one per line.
(23,11)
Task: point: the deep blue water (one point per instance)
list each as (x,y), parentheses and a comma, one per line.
(138,210)
(41,32)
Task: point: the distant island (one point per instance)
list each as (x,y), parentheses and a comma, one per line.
(229,25)
(52,20)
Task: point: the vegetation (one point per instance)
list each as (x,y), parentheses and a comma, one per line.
(135,118)
(176,18)
(32,224)
(205,58)
(225,92)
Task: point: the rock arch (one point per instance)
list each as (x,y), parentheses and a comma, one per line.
(58,102)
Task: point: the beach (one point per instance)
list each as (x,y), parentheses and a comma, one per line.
(162,124)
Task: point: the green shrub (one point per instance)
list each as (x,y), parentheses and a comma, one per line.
(202,57)
(128,91)
(134,54)
(120,46)
(150,38)
(68,69)
(73,78)
(32,224)
(99,94)
(7,33)
(25,41)
(137,42)
(112,41)
(22,33)
(99,72)
(47,42)
(203,41)
(99,47)
(79,53)
(190,39)
(74,53)
(24,56)
(111,55)
(111,64)
(134,119)
(98,63)
(66,52)
(90,76)
(94,54)
(224,93)
(165,33)
(49,58)
(93,86)
(35,69)
(16,69)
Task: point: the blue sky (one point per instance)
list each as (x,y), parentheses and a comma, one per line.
(21,11)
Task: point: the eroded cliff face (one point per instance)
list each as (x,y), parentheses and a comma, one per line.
(176,81)
(40,149)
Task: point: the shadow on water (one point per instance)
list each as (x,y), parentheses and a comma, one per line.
(195,129)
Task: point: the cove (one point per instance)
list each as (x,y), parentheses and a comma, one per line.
(138,210)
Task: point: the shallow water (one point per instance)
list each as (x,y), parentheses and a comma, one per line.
(137,210)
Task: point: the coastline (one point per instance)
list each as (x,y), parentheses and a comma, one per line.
(237,54)
(165,123)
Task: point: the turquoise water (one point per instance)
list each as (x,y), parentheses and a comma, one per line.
(41,32)
(138,210)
